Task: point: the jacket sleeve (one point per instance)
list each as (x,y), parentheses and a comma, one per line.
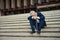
(42,17)
(29,18)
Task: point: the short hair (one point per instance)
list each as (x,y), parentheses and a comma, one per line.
(32,12)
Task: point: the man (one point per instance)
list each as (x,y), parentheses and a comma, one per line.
(37,20)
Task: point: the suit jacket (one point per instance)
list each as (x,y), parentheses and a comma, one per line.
(42,21)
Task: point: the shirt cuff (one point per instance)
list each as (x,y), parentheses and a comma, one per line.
(38,17)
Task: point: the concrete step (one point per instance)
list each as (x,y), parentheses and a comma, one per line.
(22,23)
(27,27)
(46,15)
(23,26)
(30,35)
(12,18)
(28,38)
(28,14)
(26,20)
(27,17)
(28,30)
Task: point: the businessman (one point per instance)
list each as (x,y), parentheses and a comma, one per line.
(37,21)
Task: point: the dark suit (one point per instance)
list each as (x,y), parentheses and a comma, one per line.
(33,22)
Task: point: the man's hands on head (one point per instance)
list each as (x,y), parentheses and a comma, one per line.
(34,15)
(36,18)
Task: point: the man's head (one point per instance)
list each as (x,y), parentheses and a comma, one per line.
(33,13)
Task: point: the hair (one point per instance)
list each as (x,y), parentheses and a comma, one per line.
(32,12)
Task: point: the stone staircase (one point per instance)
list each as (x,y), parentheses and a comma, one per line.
(16,27)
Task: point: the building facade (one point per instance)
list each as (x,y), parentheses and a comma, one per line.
(8,7)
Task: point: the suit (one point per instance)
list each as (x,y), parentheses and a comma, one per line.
(34,24)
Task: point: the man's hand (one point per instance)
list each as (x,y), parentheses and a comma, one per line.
(34,17)
(38,17)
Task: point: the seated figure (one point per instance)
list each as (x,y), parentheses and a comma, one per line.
(37,21)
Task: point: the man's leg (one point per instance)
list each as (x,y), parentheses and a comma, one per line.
(38,28)
(32,25)
(44,24)
(40,25)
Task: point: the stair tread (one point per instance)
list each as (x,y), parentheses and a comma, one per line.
(28,38)
(50,29)
(23,26)
(28,34)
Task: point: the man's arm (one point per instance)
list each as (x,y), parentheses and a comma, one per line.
(41,16)
(30,17)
